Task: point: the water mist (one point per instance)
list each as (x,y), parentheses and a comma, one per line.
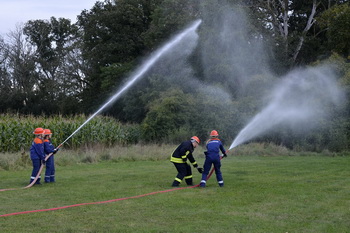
(187,34)
(302,96)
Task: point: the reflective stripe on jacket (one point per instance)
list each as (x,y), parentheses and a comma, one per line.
(184,152)
(214,146)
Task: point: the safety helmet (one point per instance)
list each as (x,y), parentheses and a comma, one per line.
(47,132)
(38,131)
(214,133)
(195,138)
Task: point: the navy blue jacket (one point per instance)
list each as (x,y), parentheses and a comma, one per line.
(48,147)
(37,149)
(214,146)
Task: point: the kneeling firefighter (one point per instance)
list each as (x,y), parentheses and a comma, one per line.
(179,159)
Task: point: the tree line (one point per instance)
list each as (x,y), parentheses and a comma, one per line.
(51,67)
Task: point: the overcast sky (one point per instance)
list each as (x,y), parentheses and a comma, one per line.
(13,12)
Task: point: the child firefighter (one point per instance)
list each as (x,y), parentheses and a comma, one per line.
(37,154)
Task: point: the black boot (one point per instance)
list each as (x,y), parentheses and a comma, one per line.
(189,181)
(175,183)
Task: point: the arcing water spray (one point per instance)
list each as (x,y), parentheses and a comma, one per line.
(138,74)
(142,70)
(302,96)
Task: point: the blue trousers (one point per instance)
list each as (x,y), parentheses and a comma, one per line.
(215,160)
(36,168)
(50,170)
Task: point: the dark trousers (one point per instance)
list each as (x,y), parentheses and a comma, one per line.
(50,170)
(215,160)
(36,168)
(184,171)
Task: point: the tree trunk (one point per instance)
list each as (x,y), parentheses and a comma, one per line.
(310,22)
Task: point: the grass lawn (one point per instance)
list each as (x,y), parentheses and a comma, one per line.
(261,194)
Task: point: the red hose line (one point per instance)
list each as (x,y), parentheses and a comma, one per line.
(100,202)
(96,203)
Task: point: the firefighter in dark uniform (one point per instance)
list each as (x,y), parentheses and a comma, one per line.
(179,159)
(50,163)
(212,157)
(37,154)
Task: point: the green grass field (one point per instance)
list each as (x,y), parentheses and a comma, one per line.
(261,194)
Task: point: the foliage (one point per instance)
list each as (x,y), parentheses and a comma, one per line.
(16,131)
(167,115)
(336,20)
(53,67)
(169,16)
(112,37)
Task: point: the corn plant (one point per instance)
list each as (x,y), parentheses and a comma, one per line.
(16,132)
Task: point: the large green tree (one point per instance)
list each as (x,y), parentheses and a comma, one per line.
(59,75)
(336,22)
(112,40)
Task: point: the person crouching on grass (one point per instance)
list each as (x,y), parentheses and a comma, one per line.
(212,156)
(179,159)
(50,163)
(37,154)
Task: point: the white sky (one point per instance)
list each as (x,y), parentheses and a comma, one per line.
(16,12)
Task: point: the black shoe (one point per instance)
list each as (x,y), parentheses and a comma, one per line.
(175,183)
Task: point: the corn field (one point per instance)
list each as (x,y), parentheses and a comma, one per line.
(16,132)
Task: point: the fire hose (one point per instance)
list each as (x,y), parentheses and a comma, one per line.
(49,155)
(41,168)
(46,158)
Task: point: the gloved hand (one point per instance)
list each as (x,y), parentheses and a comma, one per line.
(224,155)
(55,151)
(43,161)
(200,170)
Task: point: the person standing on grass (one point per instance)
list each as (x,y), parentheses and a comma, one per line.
(212,156)
(50,163)
(37,154)
(179,159)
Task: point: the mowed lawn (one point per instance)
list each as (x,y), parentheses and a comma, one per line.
(261,194)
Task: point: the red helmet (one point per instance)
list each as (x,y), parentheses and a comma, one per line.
(214,133)
(195,138)
(47,132)
(38,131)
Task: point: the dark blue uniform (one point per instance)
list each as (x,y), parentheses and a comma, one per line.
(179,158)
(50,163)
(36,155)
(212,156)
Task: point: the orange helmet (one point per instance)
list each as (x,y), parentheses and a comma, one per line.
(38,131)
(214,133)
(195,138)
(47,132)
